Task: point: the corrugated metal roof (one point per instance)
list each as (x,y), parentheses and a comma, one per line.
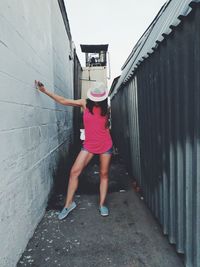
(168,16)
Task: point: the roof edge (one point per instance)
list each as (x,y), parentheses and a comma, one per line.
(65,18)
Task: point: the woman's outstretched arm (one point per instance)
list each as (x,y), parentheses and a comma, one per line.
(60,99)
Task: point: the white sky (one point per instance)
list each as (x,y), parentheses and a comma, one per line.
(119,23)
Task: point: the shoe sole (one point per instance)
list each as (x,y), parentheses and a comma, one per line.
(104,215)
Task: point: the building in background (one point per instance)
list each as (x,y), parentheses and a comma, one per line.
(96,66)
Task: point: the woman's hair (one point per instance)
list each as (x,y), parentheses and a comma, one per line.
(102,104)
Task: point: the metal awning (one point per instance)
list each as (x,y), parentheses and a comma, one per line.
(94,48)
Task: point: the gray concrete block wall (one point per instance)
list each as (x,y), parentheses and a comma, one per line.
(35,132)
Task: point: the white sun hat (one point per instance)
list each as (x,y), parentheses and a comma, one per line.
(97,92)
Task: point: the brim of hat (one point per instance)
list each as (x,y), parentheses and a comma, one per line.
(96,99)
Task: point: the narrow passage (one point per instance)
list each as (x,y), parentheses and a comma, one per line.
(128,237)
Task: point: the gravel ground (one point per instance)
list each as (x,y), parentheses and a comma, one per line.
(128,237)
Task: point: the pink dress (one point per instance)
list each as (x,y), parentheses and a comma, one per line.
(97,136)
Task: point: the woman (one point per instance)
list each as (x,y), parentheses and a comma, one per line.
(97,141)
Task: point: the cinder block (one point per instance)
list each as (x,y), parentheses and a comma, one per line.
(35,131)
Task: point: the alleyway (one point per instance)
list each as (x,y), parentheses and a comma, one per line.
(128,237)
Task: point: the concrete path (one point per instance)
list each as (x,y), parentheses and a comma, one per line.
(128,237)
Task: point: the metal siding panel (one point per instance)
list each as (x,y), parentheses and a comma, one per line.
(188,70)
(146,135)
(197,140)
(172,143)
(151,155)
(158,137)
(134,131)
(179,147)
(165,153)
(178,84)
(138,131)
(131,118)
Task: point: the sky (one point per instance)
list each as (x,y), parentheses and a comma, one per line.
(118,23)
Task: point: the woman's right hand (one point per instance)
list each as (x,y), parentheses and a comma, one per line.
(40,86)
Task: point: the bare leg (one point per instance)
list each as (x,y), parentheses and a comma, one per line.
(104,170)
(81,161)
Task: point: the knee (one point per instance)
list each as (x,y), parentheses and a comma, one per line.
(104,174)
(75,172)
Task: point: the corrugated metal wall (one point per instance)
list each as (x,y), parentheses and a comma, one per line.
(156,126)
(125,130)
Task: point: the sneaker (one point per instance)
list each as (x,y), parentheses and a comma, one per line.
(66,211)
(103,211)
